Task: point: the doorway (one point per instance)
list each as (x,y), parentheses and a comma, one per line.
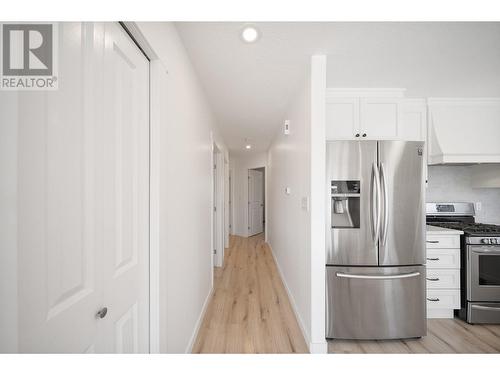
(218,206)
(256,201)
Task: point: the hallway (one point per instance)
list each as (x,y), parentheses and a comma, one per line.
(249,311)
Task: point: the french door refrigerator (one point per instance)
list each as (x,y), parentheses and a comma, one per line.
(375,270)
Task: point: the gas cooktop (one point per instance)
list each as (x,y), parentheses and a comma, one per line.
(471,229)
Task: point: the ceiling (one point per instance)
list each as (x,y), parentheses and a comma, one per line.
(249,85)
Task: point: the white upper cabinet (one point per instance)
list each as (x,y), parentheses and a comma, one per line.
(377,115)
(379,118)
(413,120)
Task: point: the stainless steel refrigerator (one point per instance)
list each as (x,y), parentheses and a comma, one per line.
(376,240)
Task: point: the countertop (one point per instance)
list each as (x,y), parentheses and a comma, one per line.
(438,230)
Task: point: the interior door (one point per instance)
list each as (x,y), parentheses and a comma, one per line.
(83,199)
(354,161)
(255,202)
(124,196)
(402,232)
(59,268)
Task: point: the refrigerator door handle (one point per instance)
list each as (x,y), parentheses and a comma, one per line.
(375,208)
(377,277)
(385,225)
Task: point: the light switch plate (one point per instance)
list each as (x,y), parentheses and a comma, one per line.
(288,190)
(286,129)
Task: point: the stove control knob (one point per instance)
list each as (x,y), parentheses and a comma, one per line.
(485,240)
(494,241)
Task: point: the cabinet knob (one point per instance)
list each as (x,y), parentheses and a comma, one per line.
(357,134)
(364,134)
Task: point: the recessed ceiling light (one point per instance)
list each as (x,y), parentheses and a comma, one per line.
(248,147)
(249,34)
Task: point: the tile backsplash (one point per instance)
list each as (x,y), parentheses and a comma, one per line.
(454,184)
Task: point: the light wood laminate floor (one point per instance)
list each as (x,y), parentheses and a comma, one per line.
(443,336)
(249,311)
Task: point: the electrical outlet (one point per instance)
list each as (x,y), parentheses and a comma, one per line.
(478,206)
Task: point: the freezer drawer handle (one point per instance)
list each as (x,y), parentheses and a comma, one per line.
(433,299)
(433,278)
(377,277)
(432,241)
(479,307)
(432,258)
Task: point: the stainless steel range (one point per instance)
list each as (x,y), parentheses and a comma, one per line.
(480,260)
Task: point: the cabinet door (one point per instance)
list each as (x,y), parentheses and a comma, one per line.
(379,118)
(342,118)
(412,120)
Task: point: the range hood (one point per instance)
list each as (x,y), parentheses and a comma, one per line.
(464,130)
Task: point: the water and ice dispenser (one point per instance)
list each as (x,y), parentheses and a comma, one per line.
(345,195)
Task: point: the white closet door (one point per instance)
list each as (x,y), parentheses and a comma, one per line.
(58,265)
(123,213)
(83,199)
(255,202)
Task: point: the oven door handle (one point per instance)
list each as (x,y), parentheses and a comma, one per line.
(486,251)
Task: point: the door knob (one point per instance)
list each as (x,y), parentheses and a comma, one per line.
(101,313)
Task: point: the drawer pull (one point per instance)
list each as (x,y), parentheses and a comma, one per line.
(432,278)
(432,241)
(433,299)
(432,258)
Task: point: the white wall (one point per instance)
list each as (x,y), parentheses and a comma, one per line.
(293,218)
(240,164)
(187,128)
(429,59)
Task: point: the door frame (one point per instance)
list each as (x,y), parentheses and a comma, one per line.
(217,204)
(247,219)
(156,69)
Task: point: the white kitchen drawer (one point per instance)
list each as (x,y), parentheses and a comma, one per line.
(442,241)
(443,258)
(443,299)
(443,279)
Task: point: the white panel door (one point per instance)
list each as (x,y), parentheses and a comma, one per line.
(123,213)
(255,202)
(83,199)
(58,265)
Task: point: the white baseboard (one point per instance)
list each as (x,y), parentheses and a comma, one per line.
(292,302)
(197,326)
(318,347)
